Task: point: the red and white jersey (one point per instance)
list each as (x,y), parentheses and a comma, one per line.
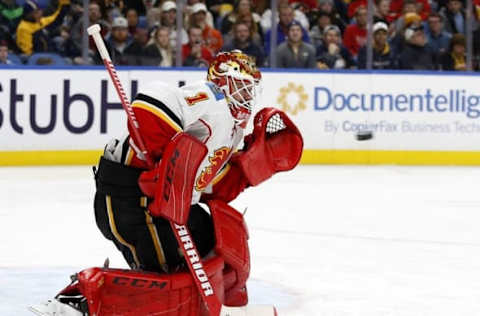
(200,110)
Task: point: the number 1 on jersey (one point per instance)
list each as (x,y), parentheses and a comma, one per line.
(199,97)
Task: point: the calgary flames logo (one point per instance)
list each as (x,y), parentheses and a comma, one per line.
(216,161)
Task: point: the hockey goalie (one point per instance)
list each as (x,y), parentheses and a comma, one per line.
(192,134)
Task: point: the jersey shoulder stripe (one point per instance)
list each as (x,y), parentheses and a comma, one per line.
(158,108)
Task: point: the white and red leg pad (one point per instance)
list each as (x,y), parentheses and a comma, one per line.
(171,182)
(231,236)
(132,293)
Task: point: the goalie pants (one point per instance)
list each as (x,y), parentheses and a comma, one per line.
(146,242)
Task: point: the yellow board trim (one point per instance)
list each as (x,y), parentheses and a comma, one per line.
(379,157)
(159,113)
(115,232)
(49,157)
(90,157)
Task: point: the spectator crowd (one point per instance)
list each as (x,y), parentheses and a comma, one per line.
(321,34)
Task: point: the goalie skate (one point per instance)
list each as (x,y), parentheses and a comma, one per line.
(55,308)
(249,310)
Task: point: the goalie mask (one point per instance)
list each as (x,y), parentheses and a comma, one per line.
(238,77)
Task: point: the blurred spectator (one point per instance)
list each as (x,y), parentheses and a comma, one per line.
(323,20)
(241,8)
(454,17)
(195,53)
(119,41)
(416,55)
(220,9)
(355,35)
(437,38)
(476,37)
(455,58)
(305,8)
(476,49)
(65,46)
(139,5)
(159,51)
(148,4)
(212,38)
(382,54)
(188,10)
(382,12)
(4,58)
(261,6)
(169,19)
(135,50)
(422,8)
(6,36)
(307,4)
(331,7)
(409,20)
(331,54)
(111,9)
(476,11)
(10,15)
(154,17)
(132,19)
(297,15)
(33,30)
(242,40)
(285,19)
(409,15)
(255,30)
(76,32)
(295,53)
(44,61)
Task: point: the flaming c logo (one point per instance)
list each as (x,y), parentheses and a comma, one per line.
(216,161)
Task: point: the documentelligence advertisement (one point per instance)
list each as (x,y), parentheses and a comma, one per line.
(79,109)
(403,111)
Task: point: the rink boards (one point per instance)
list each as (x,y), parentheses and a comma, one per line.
(66,115)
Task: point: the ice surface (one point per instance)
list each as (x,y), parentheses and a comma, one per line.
(325,240)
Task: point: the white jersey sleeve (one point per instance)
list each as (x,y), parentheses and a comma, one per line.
(170,96)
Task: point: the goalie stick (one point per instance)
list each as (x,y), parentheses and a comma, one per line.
(181,232)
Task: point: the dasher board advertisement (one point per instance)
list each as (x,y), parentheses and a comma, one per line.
(66,115)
